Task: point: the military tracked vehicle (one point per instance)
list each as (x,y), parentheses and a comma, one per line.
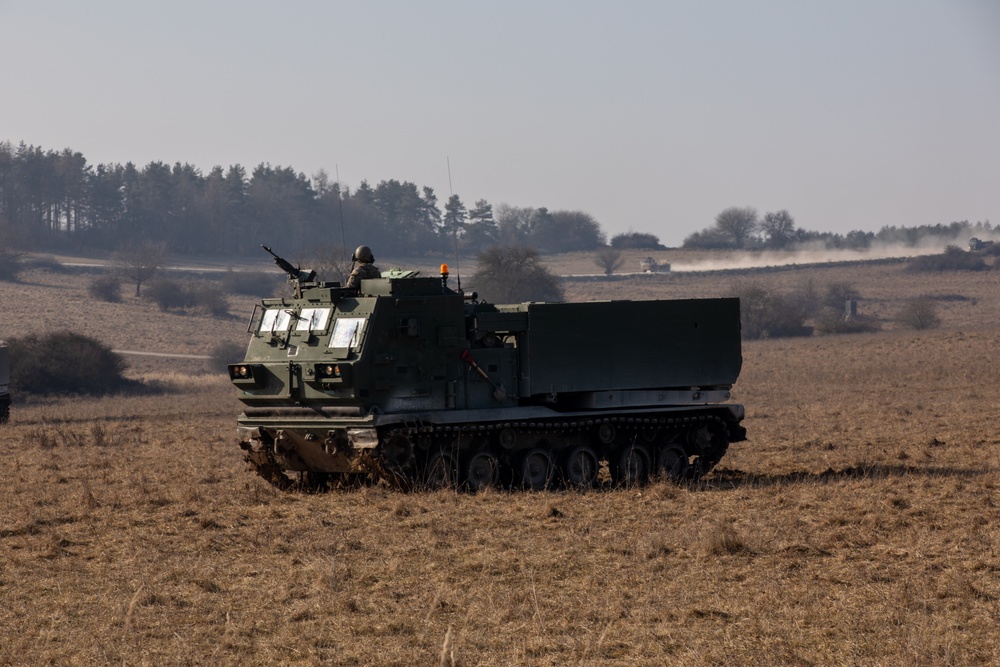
(410,381)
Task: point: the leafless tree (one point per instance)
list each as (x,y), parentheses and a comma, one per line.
(737,225)
(139,261)
(513,274)
(331,262)
(609,259)
(778,228)
(919,314)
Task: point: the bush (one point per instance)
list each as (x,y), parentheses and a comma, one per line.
(837,294)
(832,321)
(637,241)
(919,314)
(171,295)
(10,265)
(707,239)
(106,287)
(831,312)
(226,353)
(765,314)
(46,262)
(249,283)
(64,362)
(210,300)
(514,274)
(952,259)
(609,259)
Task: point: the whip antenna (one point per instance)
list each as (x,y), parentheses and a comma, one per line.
(340,203)
(451,193)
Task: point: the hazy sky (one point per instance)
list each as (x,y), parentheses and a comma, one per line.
(651,116)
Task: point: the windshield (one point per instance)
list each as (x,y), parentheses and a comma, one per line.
(347,332)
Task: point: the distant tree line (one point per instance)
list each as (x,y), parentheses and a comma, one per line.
(742,228)
(56,199)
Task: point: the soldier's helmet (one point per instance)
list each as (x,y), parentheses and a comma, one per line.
(363,254)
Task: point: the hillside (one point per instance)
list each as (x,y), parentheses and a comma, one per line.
(857,525)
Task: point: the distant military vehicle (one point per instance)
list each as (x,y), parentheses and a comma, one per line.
(976,245)
(411,381)
(4,383)
(651,265)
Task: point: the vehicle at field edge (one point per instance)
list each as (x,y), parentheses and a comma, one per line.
(410,381)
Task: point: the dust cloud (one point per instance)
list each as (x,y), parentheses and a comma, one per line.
(819,255)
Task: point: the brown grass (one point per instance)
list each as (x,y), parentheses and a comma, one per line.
(857,526)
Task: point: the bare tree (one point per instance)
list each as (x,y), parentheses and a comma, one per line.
(331,262)
(609,259)
(778,228)
(514,274)
(513,223)
(737,225)
(138,262)
(919,314)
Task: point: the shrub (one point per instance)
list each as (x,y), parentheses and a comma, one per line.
(837,294)
(172,295)
(210,300)
(64,362)
(226,353)
(47,262)
(832,321)
(831,316)
(707,239)
(10,265)
(636,240)
(609,259)
(169,295)
(919,314)
(513,274)
(952,259)
(249,283)
(765,314)
(106,287)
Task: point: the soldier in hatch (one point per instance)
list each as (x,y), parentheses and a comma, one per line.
(364,267)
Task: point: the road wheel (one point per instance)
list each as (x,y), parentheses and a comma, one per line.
(580,467)
(441,471)
(481,471)
(672,464)
(631,466)
(536,470)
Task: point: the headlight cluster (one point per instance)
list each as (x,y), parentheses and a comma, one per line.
(244,374)
(328,370)
(333,373)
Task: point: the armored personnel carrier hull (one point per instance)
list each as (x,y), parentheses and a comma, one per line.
(412,382)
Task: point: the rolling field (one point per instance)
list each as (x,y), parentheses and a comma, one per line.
(856,526)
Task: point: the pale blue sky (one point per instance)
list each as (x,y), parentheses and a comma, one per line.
(651,116)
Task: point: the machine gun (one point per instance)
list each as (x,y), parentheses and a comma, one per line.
(295,275)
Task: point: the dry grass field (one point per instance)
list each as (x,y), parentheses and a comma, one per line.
(857,526)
